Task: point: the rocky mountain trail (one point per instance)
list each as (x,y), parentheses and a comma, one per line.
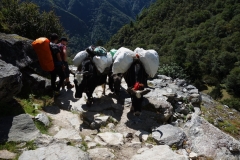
(171,126)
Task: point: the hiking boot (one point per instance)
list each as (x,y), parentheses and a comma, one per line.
(69,85)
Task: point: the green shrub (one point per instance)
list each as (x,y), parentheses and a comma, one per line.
(172,70)
(216,93)
(232,103)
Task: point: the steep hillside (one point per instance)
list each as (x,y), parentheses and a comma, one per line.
(202,37)
(89,21)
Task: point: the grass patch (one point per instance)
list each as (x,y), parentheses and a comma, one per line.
(174,147)
(34,103)
(84,146)
(17,147)
(228,125)
(41,127)
(151,140)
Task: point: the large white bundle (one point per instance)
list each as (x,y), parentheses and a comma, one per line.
(102,62)
(80,56)
(123,59)
(149,59)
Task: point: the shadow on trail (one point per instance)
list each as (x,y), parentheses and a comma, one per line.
(148,120)
(109,105)
(63,101)
(5,126)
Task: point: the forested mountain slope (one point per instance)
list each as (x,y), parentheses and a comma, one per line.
(201,37)
(91,21)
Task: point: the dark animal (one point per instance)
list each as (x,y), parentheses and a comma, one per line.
(114,81)
(136,79)
(92,78)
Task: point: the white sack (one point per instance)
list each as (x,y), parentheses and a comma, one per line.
(102,62)
(123,59)
(80,56)
(149,59)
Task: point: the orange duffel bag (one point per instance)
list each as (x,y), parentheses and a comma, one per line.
(42,48)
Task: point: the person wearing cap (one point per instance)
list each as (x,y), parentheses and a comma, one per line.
(63,48)
(59,66)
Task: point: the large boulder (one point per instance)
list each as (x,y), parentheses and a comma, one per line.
(17,50)
(10,81)
(207,140)
(20,128)
(169,135)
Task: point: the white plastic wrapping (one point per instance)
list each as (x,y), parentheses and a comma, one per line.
(149,59)
(80,56)
(123,59)
(102,62)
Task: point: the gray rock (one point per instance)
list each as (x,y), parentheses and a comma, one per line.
(193,155)
(165,108)
(169,135)
(44,140)
(55,152)
(134,144)
(88,139)
(109,138)
(143,135)
(111,125)
(157,153)
(164,77)
(10,81)
(141,150)
(184,109)
(17,50)
(193,91)
(42,117)
(182,152)
(207,140)
(101,154)
(37,83)
(180,82)
(5,154)
(189,87)
(70,134)
(91,145)
(18,128)
(195,101)
(102,120)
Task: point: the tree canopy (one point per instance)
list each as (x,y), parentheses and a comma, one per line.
(25,19)
(202,37)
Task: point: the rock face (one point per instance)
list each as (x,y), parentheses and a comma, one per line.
(55,152)
(18,128)
(17,50)
(207,140)
(10,81)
